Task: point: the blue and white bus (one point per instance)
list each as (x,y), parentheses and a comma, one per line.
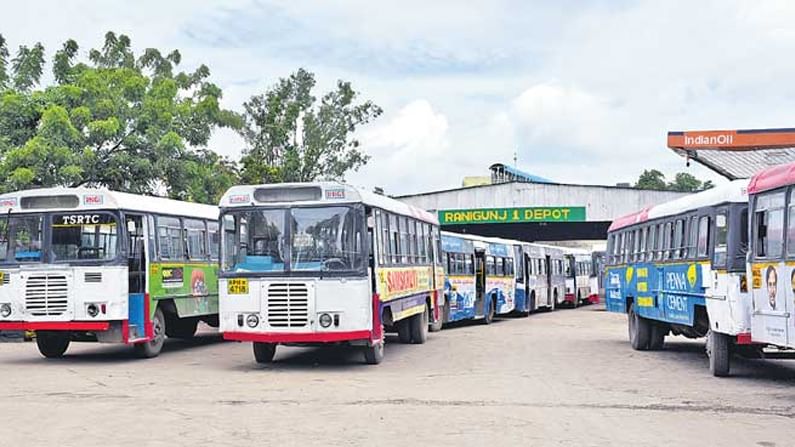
(679,268)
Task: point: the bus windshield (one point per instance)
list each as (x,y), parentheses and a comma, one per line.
(89,236)
(20,238)
(73,237)
(306,239)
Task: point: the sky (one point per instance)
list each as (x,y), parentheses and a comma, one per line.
(580,91)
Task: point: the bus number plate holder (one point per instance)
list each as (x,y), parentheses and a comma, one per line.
(237,286)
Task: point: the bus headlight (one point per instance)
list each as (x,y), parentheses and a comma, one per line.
(5,310)
(92,310)
(325,320)
(252,321)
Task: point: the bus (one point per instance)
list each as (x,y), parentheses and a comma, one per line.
(464,259)
(537,277)
(323,263)
(554,258)
(83,264)
(500,276)
(596,279)
(771,260)
(679,268)
(578,272)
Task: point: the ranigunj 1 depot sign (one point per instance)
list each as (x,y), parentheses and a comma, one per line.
(512,215)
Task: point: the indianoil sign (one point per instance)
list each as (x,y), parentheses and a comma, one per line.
(513,215)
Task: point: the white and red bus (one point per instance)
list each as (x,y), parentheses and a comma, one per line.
(324,263)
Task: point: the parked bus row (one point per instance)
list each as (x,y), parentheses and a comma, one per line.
(713,264)
(308,264)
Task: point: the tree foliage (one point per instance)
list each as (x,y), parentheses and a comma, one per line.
(292,136)
(683,182)
(120,120)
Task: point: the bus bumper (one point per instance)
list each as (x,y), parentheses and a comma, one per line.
(80,326)
(593,299)
(311,337)
(568,298)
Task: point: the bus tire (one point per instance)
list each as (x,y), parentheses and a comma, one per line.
(488,317)
(639,330)
(152,348)
(419,327)
(657,336)
(719,353)
(181,327)
(264,352)
(53,344)
(374,353)
(404,330)
(436,326)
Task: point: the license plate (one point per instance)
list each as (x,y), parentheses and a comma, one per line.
(237,286)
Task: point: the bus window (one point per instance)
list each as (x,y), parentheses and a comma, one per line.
(469,265)
(703,236)
(721,239)
(195,235)
(650,241)
(658,249)
(679,231)
(769,223)
(509,267)
(693,238)
(667,241)
(499,264)
(169,238)
(490,267)
(394,240)
(215,239)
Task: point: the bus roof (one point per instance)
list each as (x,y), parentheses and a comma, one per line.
(283,194)
(96,199)
(736,191)
(772,178)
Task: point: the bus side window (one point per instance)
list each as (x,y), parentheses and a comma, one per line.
(719,257)
(703,236)
(769,225)
(791,225)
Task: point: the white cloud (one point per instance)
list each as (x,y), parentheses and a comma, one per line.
(410,144)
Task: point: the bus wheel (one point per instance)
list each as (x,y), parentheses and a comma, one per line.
(181,327)
(264,352)
(419,327)
(52,344)
(152,347)
(639,330)
(374,351)
(489,317)
(436,326)
(657,336)
(404,330)
(718,347)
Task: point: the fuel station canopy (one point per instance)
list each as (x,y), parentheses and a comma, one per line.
(735,153)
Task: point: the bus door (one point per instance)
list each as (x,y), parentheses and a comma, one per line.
(480,282)
(549,268)
(135,225)
(529,280)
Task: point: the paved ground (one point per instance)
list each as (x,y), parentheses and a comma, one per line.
(562,378)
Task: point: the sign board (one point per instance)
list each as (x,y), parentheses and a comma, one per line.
(512,215)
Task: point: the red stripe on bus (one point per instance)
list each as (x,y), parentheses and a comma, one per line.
(92,326)
(315,337)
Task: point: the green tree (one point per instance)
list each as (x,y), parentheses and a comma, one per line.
(293,137)
(127,122)
(684,182)
(651,179)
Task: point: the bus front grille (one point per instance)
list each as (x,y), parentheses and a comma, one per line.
(288,305)
(46,295)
